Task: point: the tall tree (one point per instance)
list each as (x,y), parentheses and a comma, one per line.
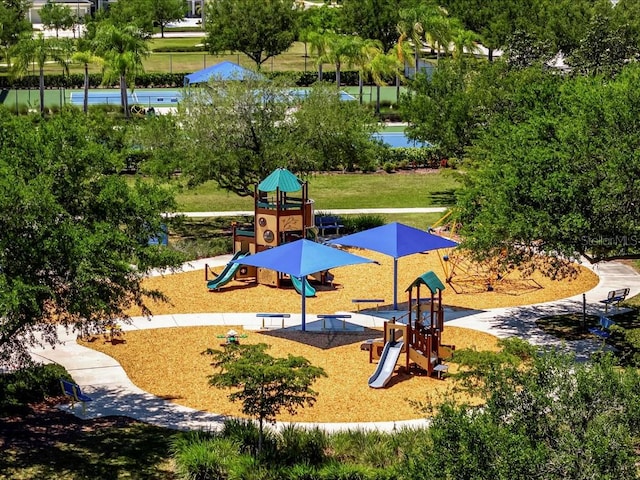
(131,12)
(265,385)
(236,133)
(260,29)
(167,11)
(38,50)
(556,169)
(547,417)
(86,58)
(74,237)
(14,23)
(341,49)
(381,67)
(374,19)
(608,45)
(317,20)
(123,49)
(57,16)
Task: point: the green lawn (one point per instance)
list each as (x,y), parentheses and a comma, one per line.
(333,191)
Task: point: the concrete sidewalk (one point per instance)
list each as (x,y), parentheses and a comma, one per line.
(114,393)
(344,211)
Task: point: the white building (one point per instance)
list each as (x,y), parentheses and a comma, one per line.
(80,8)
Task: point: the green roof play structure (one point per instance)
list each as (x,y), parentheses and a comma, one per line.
(283,213)
(418,343)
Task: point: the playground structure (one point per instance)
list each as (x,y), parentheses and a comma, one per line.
(283,213)
(416,343)
(465,274)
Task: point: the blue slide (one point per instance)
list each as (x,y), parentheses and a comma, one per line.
(386,364)
(309,291)
(227,274)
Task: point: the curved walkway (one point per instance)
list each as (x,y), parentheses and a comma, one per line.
(114,394)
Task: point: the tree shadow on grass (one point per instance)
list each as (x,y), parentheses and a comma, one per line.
(47,443)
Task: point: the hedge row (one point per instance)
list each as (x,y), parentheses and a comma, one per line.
(157,80)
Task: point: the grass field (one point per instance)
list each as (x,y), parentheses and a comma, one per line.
(333,191)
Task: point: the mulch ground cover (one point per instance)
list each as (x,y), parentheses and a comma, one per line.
(168,362)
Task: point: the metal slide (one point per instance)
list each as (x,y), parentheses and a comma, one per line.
(386,364)
(227,274)
(309,291)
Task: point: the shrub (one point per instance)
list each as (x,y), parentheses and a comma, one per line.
(245,434)
(389,167)
(297,445)
(358,223)
(30,385)
(203,456)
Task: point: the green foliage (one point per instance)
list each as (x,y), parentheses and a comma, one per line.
(358,223)
(269,30)
(552,139)
(297,445)
(30,385)
(264,384)
(550,418)
(200,456)
(72,232)
(246,434)
(413,157)
(606,47)
(57,16)
(227,132)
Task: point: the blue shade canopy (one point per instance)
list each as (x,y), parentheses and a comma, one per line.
(281,179)
(221,71)
(396,240)
(301,258)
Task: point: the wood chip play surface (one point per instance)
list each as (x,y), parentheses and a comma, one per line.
(168,362)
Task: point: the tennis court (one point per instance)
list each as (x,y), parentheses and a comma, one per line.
(144,97)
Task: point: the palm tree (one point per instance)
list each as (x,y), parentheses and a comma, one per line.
(380,67)
(86,58)
(464,41)
(438,31)
(365,51)
(123,49)
(319,42)
(410,28)
(342,49)
(401,51)
(38,50)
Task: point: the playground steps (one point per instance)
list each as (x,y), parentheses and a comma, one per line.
(421,359)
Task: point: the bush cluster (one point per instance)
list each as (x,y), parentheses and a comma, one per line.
(291,454)
(30,385)
(157,80)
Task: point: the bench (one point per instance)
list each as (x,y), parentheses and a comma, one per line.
(324,223)
(73,391)
(440,370)
(603,330)
(342,317)
(264,316)
(377,301)
(614,297)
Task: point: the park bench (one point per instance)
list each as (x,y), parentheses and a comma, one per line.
(614,297)
(330,223)
(602,330)
(332,317)
(264,316)
(358,301)
(73,391)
